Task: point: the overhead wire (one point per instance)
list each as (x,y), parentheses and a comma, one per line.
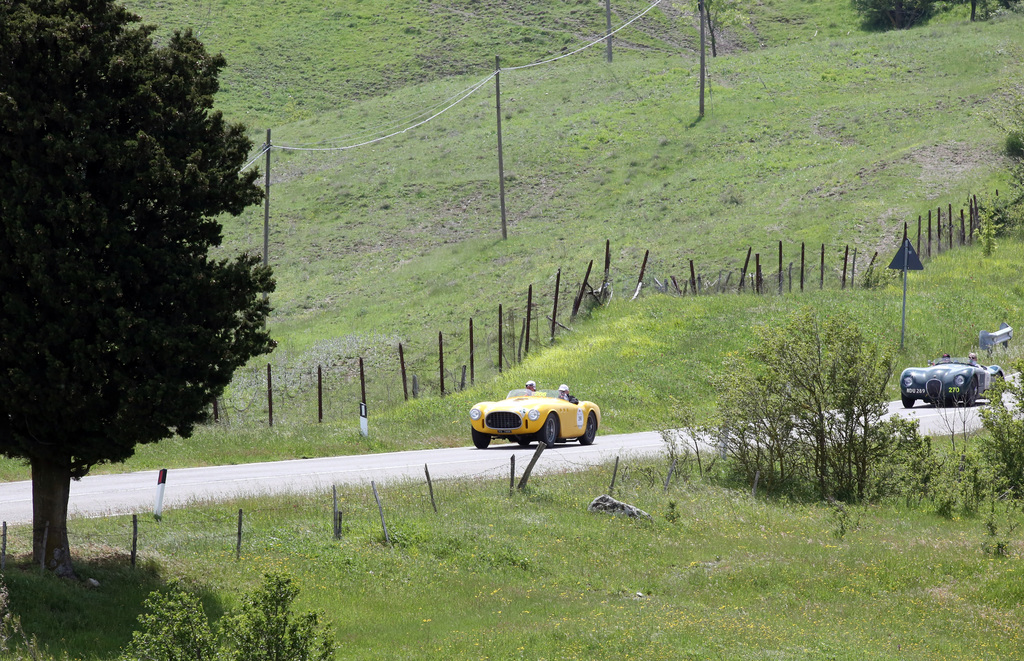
(591,44)
(459,97)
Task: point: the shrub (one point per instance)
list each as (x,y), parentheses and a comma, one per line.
(265,629)
(174,628)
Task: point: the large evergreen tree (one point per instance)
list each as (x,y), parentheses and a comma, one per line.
(118,325)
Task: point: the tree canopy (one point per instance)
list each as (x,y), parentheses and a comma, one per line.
(120,323)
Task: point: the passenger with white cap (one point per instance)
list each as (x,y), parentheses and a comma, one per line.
(531,388)
(563,393)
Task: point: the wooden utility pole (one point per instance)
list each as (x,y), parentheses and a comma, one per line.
(700,8)
(501,162)
(266,209)
(608,26)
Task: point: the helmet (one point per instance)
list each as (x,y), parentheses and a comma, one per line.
(531,384)
(563,388)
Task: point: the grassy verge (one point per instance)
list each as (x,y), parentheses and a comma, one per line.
(713,574)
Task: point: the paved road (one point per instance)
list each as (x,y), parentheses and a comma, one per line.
(103,495)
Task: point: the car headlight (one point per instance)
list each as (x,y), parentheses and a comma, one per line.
(474,414)
(534,414)
(959,380)
(908,380)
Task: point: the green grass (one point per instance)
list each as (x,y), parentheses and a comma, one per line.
(714,574)
(815,132)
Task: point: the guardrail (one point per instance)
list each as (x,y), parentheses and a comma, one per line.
(988,341)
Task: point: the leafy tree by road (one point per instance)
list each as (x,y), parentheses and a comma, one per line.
(120,322)
(806,405)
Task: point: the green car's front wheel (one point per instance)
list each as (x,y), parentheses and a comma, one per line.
(971,398)
(480,439)
(908,402)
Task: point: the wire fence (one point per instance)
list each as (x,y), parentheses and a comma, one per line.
(330,380)
(375,511)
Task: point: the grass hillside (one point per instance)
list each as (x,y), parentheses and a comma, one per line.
(815,132)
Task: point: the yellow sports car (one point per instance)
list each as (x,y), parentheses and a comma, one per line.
(541,416)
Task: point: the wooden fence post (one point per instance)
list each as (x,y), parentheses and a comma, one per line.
(821,282)
(780,268)
(929,233)
(501,330)
(579,296)
(801,267)
(319,393)
(533,462)
(380,508)
(512,477)
(607,268)
(401,362)
(853,265)
(640,280)
(440,359)
(757,273)
(3,548)
(529,317)
(615,472)
(135,537)
(238,543)
(554,308)
(846,255)
(430,487)
(270,398)
(472,378)
(918,234)
(743,273)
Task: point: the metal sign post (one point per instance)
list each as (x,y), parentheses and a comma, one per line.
(905,260)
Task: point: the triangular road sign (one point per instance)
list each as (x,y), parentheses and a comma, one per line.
(906,258)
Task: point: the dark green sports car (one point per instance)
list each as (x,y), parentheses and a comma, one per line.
(947,380)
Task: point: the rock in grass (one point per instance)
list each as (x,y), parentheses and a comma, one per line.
(611,506)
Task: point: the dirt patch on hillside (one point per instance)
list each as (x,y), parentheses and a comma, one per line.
(949,162)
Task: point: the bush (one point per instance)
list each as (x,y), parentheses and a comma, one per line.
(1015,144)
(893,14)
(1004,444)
(175,628)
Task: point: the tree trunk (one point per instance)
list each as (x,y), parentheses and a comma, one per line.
(51,486)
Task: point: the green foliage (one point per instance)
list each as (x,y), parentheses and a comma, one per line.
(174,627)
(988,232)
(894,14)
(1015,144)
(265,629)
(807,405)
(1004,444)
(962,483)
(113,166)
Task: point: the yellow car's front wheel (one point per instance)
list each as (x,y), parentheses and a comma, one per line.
(480,439)
(548,434)
(591,431)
